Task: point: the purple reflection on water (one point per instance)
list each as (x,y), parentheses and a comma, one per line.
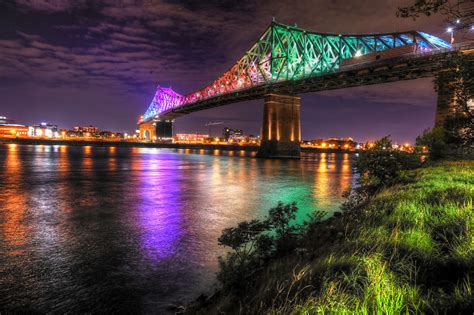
(102,230)
(159,210)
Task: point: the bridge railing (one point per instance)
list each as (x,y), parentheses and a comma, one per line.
(455,47)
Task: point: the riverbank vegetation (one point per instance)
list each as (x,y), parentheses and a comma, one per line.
(404,243)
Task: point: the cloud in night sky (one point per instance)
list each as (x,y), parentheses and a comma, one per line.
(99,61)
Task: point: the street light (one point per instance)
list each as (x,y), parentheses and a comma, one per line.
(451,30)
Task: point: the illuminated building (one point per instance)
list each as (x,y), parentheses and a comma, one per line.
(232,134)
(4,120)
(92,130)
(341,143)
(8,128)
(13,131)
(107,135)
(332,143)
(190,137)
(44,130)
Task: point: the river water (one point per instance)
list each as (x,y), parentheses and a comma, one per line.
(96,229)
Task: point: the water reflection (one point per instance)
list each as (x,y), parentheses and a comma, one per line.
(14,231)
(159,212)
(135,229)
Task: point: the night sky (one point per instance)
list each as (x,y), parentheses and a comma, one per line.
(83,62)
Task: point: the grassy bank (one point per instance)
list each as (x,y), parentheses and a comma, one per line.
(410,249)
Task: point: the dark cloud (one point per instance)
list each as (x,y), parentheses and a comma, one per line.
(116,50)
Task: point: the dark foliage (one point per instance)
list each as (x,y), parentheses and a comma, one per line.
(254,242)
(381,165)
(453,10)
(457,76)
(459,130)
(434,140)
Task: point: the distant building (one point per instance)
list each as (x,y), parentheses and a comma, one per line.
(332,143)
(87,129)
(190,137)
(44,130)
(341,143)
(230,134)
(107,135)
(13,131)
(4,120)
(8,128)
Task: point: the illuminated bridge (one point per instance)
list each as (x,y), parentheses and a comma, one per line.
(286,61)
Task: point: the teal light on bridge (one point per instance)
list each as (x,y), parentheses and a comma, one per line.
(285,53)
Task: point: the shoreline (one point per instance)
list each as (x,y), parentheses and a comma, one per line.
(127,144)
(396,251)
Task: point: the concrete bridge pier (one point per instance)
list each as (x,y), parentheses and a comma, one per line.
(147,131)
(446,103)
(153,130)
(281,131)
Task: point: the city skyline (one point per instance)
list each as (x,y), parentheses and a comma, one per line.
(68,59)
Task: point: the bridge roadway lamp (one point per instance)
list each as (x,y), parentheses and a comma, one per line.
(451,30)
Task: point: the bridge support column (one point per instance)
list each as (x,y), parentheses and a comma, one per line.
(164,129)
(281,132)
(446,104)
(147,131)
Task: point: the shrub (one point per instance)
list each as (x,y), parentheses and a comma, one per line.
(381,165)
(435,140)
(254,242)
(459,130)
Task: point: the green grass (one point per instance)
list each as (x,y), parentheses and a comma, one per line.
(410,250)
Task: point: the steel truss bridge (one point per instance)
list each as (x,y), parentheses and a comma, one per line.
(289,60)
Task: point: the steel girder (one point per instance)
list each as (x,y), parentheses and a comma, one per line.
(286,53)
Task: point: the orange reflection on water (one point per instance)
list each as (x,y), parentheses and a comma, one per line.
(14,202)
(63,161)
(87,150)
(112,164)
(322,186)
(346,173)
(87,160)
(327,185)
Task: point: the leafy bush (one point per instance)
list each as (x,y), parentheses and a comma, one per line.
(459,130)
(254,242)
(381,165)
(434,140)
